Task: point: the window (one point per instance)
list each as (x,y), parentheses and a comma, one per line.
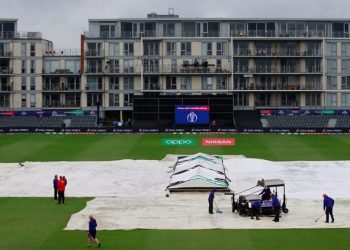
(313,99)
(32,66)
(94,66)
(171,48)
(345,49)
(331,82)
(262,99)
(221,82)
(107,31)
(151,48)
(186,83)
(128,99)
(345,82)
(345,66)
(241,48)
(32,49)
(331,99)
(345,100)
(221,49)
(207,49)
(128,66)
(32,100)
(24,100)
(332,49)
(24,66)
(113,100)
(332,66)
(114,83)
(185,48)
(73,66)
(73,83)
(94,83)
(113,49)
(23,83)
(313,82)
(237,29)
(23,49)
(51,66)
(93,99)
(128,49)
(151,83)
(240,99)
(94,49)
(32,83)
(128,83)
(113,66)
(171,82)
(169,29)
(207,83)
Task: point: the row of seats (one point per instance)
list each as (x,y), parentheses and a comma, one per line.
(48,122)
(306,121)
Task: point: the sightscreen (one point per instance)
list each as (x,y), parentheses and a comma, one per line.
(191,114)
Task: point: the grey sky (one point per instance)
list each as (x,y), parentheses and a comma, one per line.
(62,21)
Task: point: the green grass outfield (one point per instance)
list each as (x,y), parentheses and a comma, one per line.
(19,148)
(37,223)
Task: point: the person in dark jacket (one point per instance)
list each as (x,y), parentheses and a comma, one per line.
(328,204)
(276,207)
(65,181)
(92,232)
(211,200)
(61,188)
(255,206)
(265,194)
(55,183)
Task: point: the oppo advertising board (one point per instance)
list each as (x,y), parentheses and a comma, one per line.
(191,114)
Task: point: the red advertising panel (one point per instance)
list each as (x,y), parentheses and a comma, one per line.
(218,142)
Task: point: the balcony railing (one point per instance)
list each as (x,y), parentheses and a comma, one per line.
(29,35)
(60,87)
(275,33)
(4,104)
(60,104)
(5,53)
(277,53)
(5,88)
(60,72)
(274,86)
(62,52)
(287,70)
(94,53)
(5,70)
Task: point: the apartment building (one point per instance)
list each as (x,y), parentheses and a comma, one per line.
(254,63)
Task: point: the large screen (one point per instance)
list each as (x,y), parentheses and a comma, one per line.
(191,114)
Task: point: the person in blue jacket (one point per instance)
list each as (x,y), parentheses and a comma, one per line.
(265,193)
(276,207)
(328,204)
(211,200)
(55,183)
(255,209)
(92,232)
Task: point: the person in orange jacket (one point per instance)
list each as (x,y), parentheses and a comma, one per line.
(61,188)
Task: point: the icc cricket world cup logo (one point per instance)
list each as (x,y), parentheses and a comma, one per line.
(192,117)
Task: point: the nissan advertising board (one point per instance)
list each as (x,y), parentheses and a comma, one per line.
(191,114)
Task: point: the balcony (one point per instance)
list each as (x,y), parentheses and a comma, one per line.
(60,72)
(61,104)
(29,35)
(5,70)
(277,53)
(266,69)
(94,70)
(94,53)
(287,34)
(5,104)
(5,53)
(60,87)
(62,52)
(276,86)
(5,88)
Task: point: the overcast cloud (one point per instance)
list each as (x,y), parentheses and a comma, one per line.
(62,21)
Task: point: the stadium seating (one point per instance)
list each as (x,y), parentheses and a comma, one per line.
(306,121)
(48,122)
